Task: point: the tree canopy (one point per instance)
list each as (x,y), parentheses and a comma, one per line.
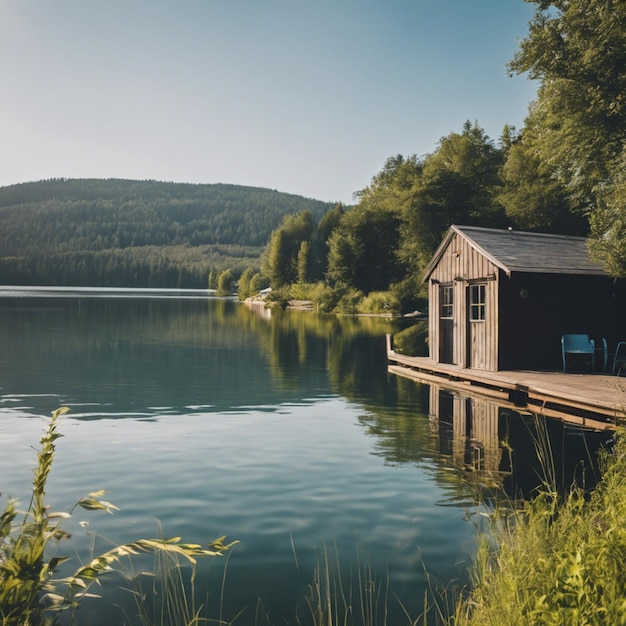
(575,133)
(384,242)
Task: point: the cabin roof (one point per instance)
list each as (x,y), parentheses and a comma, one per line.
(519,251)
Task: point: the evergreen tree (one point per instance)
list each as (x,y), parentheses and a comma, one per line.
(225,283)
(243,284)
(304,262)
(280,259)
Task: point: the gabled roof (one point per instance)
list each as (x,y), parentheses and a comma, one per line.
(519,251)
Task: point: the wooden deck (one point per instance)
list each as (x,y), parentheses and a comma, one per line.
(591,400)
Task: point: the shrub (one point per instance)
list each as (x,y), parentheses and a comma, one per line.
(410,294)
(412,341)
(258,282)
(278,297)
(304,291)
(325,298)
(377,302)
(349,300)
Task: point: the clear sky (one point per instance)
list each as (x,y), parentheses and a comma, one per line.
(304,96)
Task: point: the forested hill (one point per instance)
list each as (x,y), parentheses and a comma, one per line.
(135,233)
(77,214)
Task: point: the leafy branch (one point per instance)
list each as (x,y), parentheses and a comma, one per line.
(28,590)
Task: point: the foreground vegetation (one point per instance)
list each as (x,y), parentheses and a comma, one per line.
(555,561)
(31,591)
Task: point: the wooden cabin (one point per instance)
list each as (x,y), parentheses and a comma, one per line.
(502,299)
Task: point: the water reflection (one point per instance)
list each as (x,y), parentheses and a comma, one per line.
(146,357)
(515,451)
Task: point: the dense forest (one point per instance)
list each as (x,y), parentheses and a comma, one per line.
(135,233)
(563,172)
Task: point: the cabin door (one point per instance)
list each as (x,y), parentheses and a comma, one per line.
(477,331)
(446,324)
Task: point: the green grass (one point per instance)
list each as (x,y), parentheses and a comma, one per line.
(169,595)
(555,560)
(334,599)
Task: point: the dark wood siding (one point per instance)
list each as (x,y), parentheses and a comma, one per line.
(539,308)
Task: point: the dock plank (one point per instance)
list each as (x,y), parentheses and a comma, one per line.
(596,396)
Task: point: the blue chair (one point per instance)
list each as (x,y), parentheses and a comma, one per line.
(602,348)
(577,344)
(619,358)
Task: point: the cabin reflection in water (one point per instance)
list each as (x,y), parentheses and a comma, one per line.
(498,446)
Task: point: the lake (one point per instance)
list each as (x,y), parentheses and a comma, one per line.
(202,417)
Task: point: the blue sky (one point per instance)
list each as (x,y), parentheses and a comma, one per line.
(304,96)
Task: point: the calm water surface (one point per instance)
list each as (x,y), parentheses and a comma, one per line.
(202,417)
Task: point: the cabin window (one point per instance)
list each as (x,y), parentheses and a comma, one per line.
(447,301)
(477,303)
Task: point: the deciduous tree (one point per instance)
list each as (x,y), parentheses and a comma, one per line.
(577,126)
(363,249)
